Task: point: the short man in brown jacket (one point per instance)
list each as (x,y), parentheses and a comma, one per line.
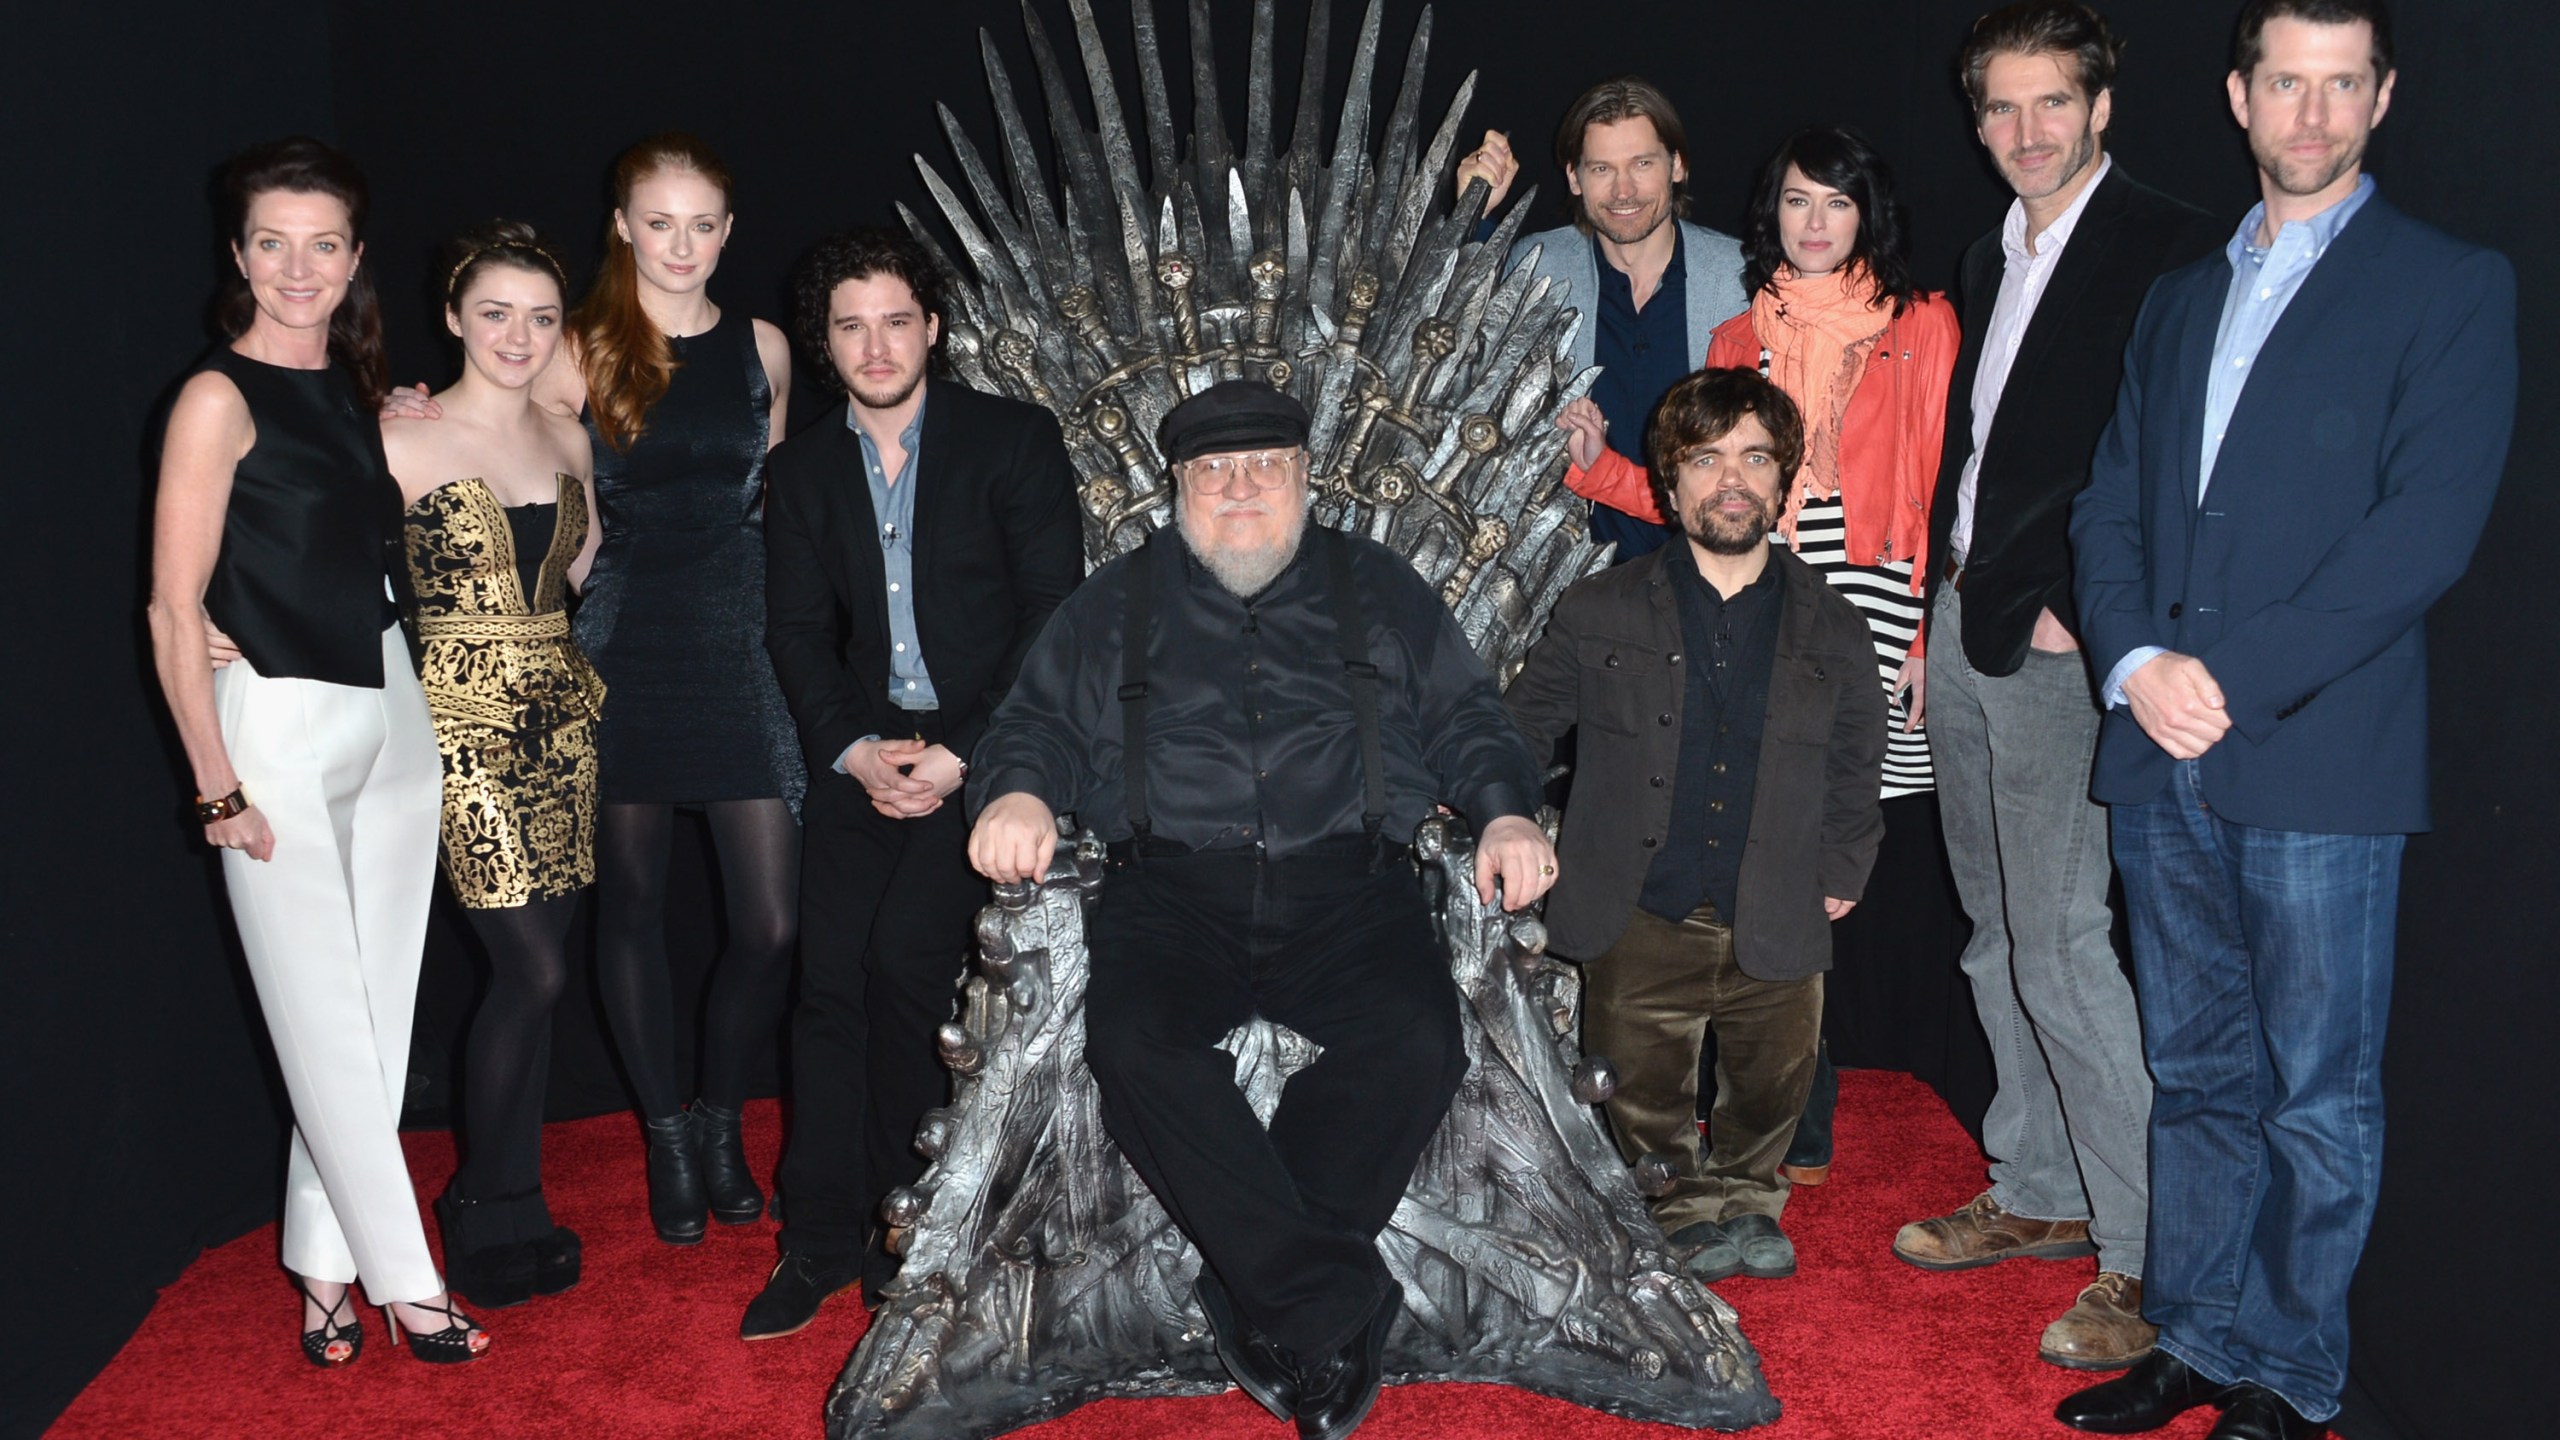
(1724,813)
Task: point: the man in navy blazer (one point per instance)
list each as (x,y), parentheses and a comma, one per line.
(2308,438)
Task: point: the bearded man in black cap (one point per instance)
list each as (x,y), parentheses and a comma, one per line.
(1297,701)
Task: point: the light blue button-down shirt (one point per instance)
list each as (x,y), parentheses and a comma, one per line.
(2264,280)
(893,508)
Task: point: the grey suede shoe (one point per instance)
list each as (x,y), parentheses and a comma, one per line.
(1708,1252)
(1767,1253)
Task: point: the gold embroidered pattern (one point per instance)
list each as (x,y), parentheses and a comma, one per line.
(515,701)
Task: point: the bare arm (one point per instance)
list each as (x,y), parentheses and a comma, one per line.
(209,431)
(775,352)
(580,453)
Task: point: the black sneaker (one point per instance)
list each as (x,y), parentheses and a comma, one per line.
(792,1294)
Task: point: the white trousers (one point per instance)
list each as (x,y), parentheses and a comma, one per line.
(334,926)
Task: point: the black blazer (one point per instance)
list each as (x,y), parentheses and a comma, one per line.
(998,543)
(1608,667)
(2061,389)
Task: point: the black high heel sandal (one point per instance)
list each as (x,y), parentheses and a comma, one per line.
(448,1346)
(336,1342)
(556,1261)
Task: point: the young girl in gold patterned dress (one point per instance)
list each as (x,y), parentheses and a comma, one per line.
(499,494)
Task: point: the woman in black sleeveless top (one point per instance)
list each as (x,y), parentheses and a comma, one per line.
(682,402)
(314,761)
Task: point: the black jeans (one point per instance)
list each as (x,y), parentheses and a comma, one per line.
(1185,949)
(886,925)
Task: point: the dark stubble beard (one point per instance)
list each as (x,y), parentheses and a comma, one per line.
(883,400)
(2290,178)
(2083,151)
(1718,535)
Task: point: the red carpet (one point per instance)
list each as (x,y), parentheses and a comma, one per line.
(1858,1345)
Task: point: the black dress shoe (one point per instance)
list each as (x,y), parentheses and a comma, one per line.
(1334,1395)
(2158,1389)
(794,1291)
(2258,1413)
(677,1205)
(1261,1369)
(721,1151)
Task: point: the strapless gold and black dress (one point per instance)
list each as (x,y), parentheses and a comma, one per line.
(514,699)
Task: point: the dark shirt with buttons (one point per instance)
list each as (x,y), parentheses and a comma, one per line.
(1251,739)
(1642,354)
(1724,702)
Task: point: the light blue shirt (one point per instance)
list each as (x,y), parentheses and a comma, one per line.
(2264,280)
(893,508)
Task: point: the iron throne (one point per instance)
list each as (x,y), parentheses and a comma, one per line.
(1039,1273)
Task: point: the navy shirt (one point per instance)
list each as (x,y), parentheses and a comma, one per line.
(1732,646)
(1642,354)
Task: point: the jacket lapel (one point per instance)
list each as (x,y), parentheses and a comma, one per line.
(2295,344)
(2093,241)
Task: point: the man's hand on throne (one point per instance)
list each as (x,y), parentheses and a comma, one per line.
(1014,838)
(1514,851)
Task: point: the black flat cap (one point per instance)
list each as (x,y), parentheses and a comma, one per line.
(1231,415)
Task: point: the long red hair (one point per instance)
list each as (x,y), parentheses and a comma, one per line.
(621,352)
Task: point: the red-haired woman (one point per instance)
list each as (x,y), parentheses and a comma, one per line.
(315,764)
(682,400)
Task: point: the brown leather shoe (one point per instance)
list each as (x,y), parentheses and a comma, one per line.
(1984,1234)
(2103,1329)
(1805,1174)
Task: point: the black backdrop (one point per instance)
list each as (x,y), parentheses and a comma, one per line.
(145,1118)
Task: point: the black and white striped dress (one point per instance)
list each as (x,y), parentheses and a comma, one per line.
(1882,593)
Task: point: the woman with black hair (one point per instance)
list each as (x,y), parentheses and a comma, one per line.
(315,763)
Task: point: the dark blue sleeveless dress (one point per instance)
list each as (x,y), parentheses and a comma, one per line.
(673,615)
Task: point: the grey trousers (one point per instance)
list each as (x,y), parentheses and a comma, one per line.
(2067,1128)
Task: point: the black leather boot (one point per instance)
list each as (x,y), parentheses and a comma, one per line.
(677,1205)
(722,1151)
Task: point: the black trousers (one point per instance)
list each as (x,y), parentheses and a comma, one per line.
(1185,949)
(887,909)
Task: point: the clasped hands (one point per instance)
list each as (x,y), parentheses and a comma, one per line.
(2178,703)
(906,779)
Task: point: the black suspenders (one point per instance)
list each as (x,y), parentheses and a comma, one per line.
(1351,627)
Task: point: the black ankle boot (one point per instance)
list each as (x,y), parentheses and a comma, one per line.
(676,1202)
(483,1263)
(722,1151)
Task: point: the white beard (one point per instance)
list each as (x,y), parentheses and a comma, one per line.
(1244,572)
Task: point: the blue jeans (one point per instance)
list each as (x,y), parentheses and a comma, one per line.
(2262,961)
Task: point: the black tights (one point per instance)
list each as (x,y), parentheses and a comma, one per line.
(506,1057)
(758,844)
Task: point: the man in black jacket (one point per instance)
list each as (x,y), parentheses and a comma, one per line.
(1725,812)
(2049,299)
(1297,699)
(916,545)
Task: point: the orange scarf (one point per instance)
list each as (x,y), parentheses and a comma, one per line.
(1818,332)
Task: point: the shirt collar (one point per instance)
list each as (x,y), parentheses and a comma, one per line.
(2013,230)
(1688,565)
(1625,283)
(2322,229)
(915,422)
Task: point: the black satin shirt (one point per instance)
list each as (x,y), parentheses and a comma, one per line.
(1250,735)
